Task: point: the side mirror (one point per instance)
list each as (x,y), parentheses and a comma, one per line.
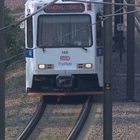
(22,24)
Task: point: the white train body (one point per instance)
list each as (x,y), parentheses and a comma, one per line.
(63,50)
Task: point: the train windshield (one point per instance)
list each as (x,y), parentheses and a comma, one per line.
(64,31)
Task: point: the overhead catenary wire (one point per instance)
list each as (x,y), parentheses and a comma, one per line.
(18,22)
(47,42)
(120,13)
(103,17)
(51,3)
(110,3)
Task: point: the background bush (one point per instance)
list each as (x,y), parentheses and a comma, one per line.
(14,42)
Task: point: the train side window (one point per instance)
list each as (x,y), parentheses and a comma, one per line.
(29,32)
(99,30)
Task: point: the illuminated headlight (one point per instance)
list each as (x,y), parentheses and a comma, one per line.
(42,66)
(84,66)
(88,66)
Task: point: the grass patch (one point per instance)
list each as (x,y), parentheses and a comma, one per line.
(50,138)
(21,82)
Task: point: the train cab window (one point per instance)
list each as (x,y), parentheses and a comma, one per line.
(83,36)
(99,30)
(64,31)
(29,33)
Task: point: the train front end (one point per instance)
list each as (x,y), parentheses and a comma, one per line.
(62,54)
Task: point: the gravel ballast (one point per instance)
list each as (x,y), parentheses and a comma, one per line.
(126,115)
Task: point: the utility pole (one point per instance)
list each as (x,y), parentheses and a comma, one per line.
(2,74)
(107,108)
(130,51)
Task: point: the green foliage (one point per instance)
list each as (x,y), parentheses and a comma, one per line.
(13,42)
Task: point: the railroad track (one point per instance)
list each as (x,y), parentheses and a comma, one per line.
(81,119)
(39,114)
(33,122)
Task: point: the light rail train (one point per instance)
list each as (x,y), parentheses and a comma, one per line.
(64,48)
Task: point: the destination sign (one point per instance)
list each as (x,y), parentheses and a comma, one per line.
(65,8)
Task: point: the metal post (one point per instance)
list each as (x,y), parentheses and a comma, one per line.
(2,75)
(107,110)
(130,52)
(118,28)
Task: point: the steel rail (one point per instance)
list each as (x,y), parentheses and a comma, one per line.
(81,120)
(34,120)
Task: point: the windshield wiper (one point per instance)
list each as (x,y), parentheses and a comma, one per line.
(76,46)
(83,48)
(66,44)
